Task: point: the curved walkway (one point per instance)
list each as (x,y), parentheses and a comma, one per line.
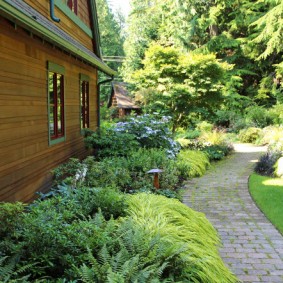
(252,247)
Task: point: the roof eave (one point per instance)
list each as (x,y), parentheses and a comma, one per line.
(33,25)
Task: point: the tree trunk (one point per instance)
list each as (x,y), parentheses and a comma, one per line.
(213,30)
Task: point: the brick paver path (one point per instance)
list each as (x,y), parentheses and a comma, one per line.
(252,247)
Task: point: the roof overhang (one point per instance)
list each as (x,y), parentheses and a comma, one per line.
(22,14)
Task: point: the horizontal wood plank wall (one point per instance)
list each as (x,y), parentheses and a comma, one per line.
(66,24)
(83,12)
(25,156)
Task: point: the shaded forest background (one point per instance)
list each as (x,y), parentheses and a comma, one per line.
(198,59)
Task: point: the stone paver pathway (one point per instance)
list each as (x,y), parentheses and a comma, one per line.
(252,247)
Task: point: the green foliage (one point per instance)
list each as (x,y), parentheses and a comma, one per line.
(179,80)
(192,163)
(271,28)
(146,131)
(151,132)
(276,112)
(204,126)
(137,257)
(10,273)
(109,142)
(249,135)
(213,138)
(193,134)
(11,215)
(181,228)
(258,117)
(55,233)
(246,34)
(110,31)
(128,173)
(217,152)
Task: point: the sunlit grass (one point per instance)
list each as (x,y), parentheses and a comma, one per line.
(268,194)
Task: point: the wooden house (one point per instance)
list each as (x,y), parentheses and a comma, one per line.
(121,100)
(49,60)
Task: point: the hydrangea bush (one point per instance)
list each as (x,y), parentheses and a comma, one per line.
(150,132)
(146,131)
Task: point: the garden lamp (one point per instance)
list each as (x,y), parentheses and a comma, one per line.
(155,179)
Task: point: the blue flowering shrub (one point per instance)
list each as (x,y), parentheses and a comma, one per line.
(144,131)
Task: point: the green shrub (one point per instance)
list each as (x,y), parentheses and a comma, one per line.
(151,132)
(108,142)
(204,127)
(56,232)
(249,135)
(192,134)
(124,137)
(213,138)
(258,116)
(169,194)
(127,173)
(217,152)
(11,273)
(183,229)
(11,215)
(184,143)
(136,257)
(192,163)
(276,112)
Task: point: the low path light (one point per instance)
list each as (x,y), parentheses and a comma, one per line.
(156,177)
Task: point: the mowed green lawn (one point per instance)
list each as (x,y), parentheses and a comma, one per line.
(268,194)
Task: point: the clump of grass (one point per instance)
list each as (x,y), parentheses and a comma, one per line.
(192,163)
(268,195)
(181,227)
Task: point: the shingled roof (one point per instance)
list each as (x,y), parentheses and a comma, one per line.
(120,98)
(21,13)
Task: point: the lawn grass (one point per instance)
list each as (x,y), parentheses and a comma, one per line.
(267,192)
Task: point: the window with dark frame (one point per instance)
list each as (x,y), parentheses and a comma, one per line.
(56,105)
(73,5)
(84,97)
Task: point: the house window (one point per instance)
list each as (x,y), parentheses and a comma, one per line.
(73,5)
(56,117)
(84,101)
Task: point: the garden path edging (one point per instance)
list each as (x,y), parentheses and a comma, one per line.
(252,247)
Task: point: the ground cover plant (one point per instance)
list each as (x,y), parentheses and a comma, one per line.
(72,237)
(91,226)
(127,174)
(205,138)
(148,144)
(268,195)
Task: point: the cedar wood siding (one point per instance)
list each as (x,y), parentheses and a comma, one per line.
(26,157)
(65,23)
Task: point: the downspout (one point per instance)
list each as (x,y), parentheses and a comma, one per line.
(52,15)
(98,97)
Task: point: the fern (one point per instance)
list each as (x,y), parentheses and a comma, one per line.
(134,257)
(11,272)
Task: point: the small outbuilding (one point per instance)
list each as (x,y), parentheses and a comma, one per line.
(121,100)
